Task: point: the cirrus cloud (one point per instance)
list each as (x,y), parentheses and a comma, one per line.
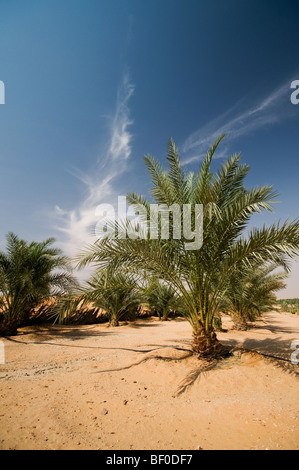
(77,225)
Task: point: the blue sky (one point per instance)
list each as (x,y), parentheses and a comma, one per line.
(92,86)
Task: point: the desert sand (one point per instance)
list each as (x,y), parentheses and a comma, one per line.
(136,387)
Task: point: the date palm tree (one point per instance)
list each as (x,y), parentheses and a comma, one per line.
(199,276)
(117,294)
(30,273)
(250,292)
(163,299)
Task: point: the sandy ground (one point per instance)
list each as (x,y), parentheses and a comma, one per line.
(137,387)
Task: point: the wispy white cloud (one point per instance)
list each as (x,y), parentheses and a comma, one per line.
(272,109)
(77,225)
(222,152)
(120,146)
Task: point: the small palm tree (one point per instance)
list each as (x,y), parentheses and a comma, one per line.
(162,299)
(199,276)
(250,292)
(30,273)
(116,293)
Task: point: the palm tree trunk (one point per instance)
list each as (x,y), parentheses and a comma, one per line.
(8,327)
(206,344)
(114,321)
(165,315)
(240,323)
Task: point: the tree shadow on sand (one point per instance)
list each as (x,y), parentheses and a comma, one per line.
(275,326)
(277,351)
(62,336)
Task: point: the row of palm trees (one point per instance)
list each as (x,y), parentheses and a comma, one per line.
(289,305)
(30,293)
(231,272)
(35,280)
(121,296)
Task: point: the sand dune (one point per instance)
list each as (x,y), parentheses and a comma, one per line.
(138,387)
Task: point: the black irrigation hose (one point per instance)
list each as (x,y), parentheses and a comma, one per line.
(96,347)
(269,355)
